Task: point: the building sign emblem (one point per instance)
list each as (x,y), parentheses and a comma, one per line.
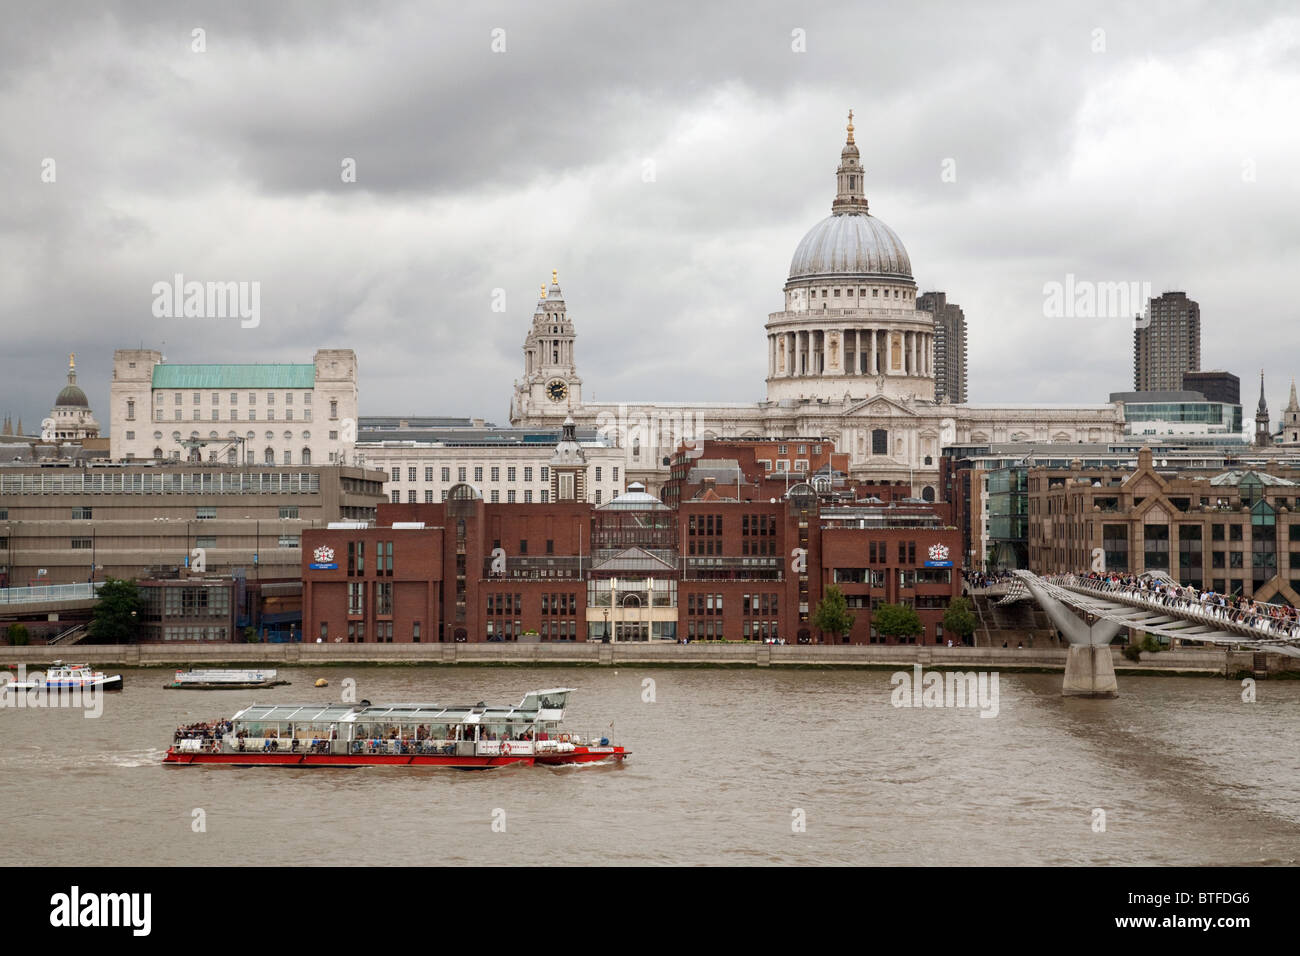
(939,557)
(324,556)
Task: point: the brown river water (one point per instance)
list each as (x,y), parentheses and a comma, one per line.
(742,767)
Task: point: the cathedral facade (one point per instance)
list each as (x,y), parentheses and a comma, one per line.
(850,359)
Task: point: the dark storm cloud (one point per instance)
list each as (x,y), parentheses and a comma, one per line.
(480,171)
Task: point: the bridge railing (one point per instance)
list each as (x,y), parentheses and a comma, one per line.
(50,592)
(1266,620)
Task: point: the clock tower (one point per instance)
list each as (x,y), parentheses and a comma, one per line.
(550,385)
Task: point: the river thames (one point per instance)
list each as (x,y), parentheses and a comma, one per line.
(740,767)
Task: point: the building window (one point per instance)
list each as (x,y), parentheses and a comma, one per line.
(428,473)
(510,473)
(496,473)
(396,473)
(410,497)
(130,409)
(446,474)
(82,514)
(205,511)
(410,474)
(528,474)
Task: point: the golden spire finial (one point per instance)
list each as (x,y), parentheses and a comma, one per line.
(543,290)
(72,360)
(850,126)
(555,277)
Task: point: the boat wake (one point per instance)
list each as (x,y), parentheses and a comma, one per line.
(606,764)
(135,758)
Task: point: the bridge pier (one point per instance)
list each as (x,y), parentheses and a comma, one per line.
(1089,672)
(1089,667)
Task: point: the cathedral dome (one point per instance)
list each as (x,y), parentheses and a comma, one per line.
(850,244)
(71,396)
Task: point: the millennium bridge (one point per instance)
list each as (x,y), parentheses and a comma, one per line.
(1089,612)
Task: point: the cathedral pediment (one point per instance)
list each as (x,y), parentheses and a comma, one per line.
(879,406)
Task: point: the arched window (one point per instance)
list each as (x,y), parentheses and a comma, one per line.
(306,456)
(927,493)
(268,456)
(157,453)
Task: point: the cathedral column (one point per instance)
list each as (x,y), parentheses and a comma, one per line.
(790,339)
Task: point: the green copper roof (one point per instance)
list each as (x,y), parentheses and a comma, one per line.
(234,376)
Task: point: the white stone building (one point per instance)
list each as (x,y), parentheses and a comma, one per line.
(500,467)
(281,414)
(850,358)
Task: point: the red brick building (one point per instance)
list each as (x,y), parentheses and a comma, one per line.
(714,568)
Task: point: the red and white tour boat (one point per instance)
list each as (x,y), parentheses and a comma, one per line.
(422,735)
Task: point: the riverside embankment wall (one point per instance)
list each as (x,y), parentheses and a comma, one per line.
(1180,661)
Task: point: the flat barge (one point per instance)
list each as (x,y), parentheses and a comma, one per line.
(224,680)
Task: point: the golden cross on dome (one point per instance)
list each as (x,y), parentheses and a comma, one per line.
(543,290)
(72,360)
(555,277)
(850,126)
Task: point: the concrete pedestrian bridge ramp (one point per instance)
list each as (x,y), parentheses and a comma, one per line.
(1090,612)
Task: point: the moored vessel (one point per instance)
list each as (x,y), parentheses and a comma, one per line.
(224,680)
(476,736)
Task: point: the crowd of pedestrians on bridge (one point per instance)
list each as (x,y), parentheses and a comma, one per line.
(1280,620)
(979,580)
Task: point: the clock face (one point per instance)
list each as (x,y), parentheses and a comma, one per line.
(557,390)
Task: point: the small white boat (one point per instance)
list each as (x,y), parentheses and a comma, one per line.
(63,676)
(223,680)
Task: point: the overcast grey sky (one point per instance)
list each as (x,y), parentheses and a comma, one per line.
(1152,142)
